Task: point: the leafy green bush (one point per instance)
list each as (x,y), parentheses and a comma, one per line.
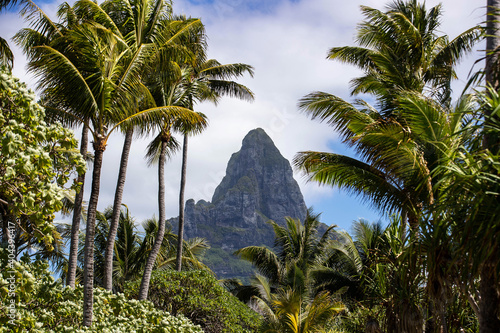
(42,304)
(36,161)
(198,296)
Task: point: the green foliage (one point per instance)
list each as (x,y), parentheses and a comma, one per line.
(358,319)
(36,160)
(44,305)
(199,296)
(219,259)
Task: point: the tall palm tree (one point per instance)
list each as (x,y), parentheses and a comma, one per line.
(144,22)
(209,80)
(47,31)
(167,89)
(95,89)
(399,49)
(399,53)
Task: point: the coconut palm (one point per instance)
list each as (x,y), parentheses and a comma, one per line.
(209,80)
(145,22)
(389,175)
(399,49)
(298,249)
(399,54)
(167,89)
(6,56)
(96,90)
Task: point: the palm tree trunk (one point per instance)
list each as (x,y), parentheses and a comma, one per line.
(120,184)
(88,269)
(489,288)
(77,216)
(489,285)
(180,238)
(492,42)
(144,288)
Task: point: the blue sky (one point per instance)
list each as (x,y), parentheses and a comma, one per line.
(286,41)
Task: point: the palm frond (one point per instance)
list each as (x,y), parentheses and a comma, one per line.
(263,259)
(6,56)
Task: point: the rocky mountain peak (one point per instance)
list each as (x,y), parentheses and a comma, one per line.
(263,180)
(258,187)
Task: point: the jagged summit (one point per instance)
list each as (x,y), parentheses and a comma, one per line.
(258,187)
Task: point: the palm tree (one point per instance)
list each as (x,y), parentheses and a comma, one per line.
(98,87)
(288,311)
(284,290)
(6,56)
(28,39)
(348,260)
(167,90)
(145,22)
(298,250)
(401,51)
(209,80)
(402,56)
(390,175)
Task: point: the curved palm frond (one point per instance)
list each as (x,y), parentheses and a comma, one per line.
(6,56)
(356,177)
(264,259)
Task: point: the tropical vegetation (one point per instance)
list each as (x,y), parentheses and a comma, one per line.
(45,305)
(198,296)
(425,157)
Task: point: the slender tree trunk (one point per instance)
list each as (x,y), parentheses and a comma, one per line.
(489,285)
(77,216)
(88,272)
(492,42)
(489,302)
(491,140)
(146,278)
(180,238)
(120,184)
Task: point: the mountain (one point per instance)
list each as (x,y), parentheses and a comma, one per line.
(258,187)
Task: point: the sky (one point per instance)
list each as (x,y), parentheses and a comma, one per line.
(286,41)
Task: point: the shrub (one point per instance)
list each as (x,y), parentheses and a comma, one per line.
(198,296)
(42,304)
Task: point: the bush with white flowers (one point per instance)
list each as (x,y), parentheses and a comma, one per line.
(42,304)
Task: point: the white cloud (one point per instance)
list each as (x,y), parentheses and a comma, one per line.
(287,43)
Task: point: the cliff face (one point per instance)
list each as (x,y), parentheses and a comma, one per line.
(258,187)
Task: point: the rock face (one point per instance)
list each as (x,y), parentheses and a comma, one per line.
(258,187)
